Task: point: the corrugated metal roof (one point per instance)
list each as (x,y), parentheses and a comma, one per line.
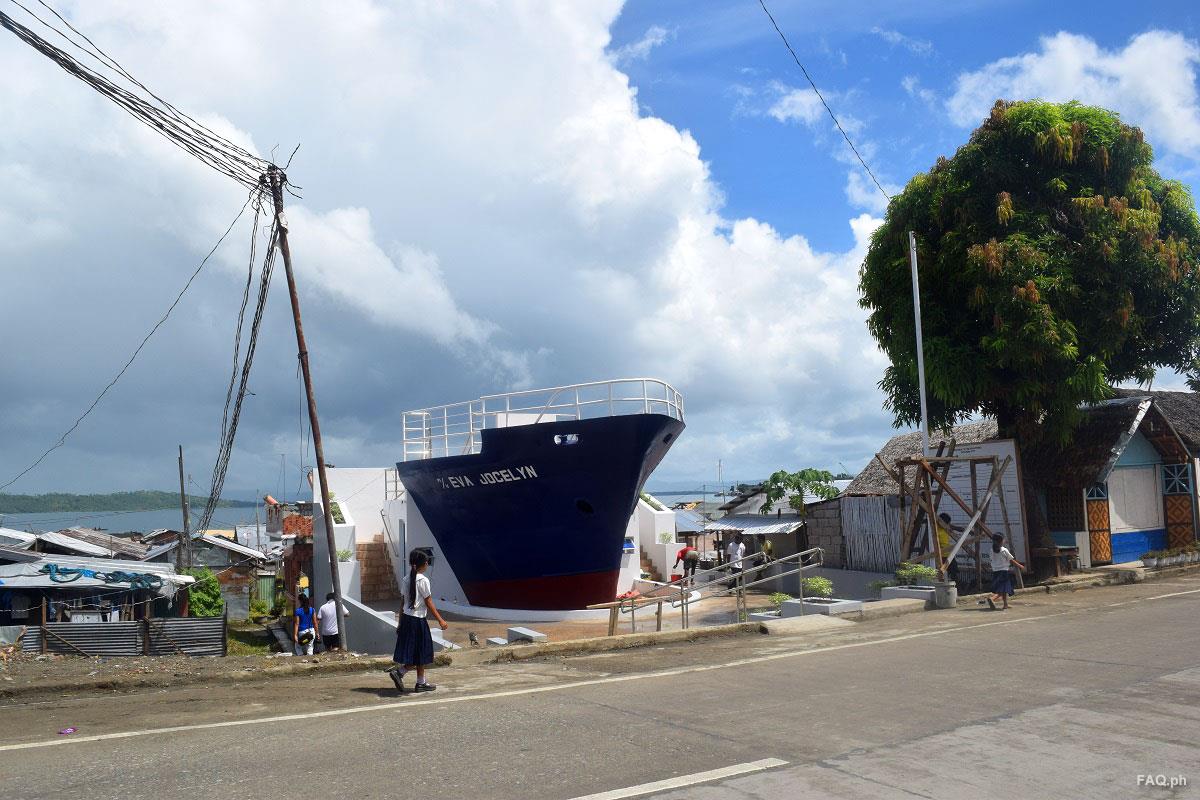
(756,524)
(218,541)
(116,545)
(74,545)
(688,520)
(18,540)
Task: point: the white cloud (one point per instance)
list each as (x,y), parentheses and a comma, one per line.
(895,38)
(477,217)
(654,36)
(1151,82)
(862,192)
(912,85)
(798,105)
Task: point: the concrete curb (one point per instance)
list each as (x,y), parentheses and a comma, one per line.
(142,681)
(601,644)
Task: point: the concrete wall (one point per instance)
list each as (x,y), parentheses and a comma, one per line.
(825,530)
(656,536)
(361,494)
(370,631)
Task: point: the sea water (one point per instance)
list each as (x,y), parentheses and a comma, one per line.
(122,521)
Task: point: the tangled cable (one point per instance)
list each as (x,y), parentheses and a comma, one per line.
(136,99)
(136,580)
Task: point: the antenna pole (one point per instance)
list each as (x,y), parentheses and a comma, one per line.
(916,288)
(276,179)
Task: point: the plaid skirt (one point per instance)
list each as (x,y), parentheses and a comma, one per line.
(414,642)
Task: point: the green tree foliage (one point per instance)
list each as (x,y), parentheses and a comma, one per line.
(1054,263)
(204,596)
(804,485)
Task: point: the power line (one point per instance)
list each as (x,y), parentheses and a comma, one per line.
(820,97)
(134,98)
(62,439)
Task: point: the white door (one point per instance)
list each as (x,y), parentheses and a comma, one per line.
(1135,499)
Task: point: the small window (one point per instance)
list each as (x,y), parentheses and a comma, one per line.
(1064,512)
(1177,479)
(1099,491)
(566,438)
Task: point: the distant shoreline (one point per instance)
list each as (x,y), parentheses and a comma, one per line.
(62,502)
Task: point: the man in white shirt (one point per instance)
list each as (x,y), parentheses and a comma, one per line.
(327,623)
(735,551)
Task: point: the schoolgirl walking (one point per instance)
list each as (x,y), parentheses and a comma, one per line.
(414,643)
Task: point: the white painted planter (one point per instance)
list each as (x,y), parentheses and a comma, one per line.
(1149,563)
(925,593)
(820,605)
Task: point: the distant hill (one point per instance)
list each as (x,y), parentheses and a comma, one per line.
(116,501)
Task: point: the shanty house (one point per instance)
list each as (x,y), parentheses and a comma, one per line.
(235,565)
(1125,485)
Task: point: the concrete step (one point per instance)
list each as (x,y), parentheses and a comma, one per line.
(524,635)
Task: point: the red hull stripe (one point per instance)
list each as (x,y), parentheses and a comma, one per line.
(555,593)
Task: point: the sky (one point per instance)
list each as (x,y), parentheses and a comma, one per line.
(506,195)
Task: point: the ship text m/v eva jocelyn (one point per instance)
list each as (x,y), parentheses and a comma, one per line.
(495,476)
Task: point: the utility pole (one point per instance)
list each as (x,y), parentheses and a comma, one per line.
(916,289)
(276,178)
(182,558)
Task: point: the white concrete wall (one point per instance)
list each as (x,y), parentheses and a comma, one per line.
(656,535)
(360,492)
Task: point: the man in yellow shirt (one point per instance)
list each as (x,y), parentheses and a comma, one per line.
(947,540)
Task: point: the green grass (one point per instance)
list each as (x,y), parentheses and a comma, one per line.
(248,640)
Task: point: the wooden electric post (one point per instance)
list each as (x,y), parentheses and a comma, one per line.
(276,178)
(183,552)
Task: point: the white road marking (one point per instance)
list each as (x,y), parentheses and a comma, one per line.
(402,705)
(686,780)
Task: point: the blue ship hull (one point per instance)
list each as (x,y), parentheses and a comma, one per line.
(537,518)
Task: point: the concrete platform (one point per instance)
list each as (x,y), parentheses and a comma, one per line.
(793,626)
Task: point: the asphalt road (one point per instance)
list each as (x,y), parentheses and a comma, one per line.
(1070,695)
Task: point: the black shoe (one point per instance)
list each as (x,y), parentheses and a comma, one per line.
(424,687)
(991,604)
(397,678)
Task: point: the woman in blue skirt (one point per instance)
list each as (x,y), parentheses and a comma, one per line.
(414,644)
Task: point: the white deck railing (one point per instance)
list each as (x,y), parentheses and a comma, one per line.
(454,429)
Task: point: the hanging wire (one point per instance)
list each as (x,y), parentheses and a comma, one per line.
(241,375)
(135,99)
(108,77)
(63,438)
(821,97)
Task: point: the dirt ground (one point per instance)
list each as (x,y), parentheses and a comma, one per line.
(250,652)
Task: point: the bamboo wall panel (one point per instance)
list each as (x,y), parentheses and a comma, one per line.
(1099,532)
(871,533)
(1178,512)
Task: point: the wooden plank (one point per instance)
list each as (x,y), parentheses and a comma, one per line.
(993,484)
(958,499)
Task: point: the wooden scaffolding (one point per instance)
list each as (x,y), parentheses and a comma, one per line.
(921,498)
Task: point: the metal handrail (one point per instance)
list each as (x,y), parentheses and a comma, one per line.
(453,429)
(680,597)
